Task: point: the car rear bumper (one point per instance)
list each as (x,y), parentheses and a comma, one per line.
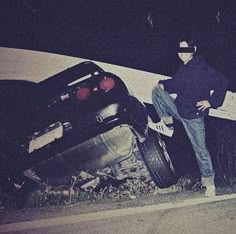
(98,152)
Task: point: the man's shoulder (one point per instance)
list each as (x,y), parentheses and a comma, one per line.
(199,60)
(203,65)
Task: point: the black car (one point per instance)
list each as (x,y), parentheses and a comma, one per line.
(82,118)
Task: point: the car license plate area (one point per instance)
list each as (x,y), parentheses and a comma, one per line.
(48,135)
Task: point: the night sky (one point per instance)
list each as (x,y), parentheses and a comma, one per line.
(137,34)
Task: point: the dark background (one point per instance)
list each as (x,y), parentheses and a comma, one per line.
(136,34)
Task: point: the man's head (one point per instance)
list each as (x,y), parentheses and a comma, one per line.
(186,50)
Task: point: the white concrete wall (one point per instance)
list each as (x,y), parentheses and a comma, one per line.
(37,66)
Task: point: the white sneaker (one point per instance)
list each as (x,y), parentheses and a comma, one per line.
(162,128)
(208,183)
(210,191)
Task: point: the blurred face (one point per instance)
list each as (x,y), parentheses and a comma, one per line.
(183,54)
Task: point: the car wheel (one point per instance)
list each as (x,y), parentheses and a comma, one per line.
(157,160)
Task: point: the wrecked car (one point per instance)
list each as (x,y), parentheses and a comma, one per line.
(81,119)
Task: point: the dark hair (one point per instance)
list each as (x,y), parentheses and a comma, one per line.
(188,38)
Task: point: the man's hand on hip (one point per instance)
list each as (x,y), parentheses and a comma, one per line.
(203,105)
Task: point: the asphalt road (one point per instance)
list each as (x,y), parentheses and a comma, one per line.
(175,214)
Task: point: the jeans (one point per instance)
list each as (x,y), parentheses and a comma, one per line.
(195,129)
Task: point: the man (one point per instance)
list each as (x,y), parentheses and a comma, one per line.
(192,83)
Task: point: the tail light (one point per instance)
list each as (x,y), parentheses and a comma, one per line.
(82,93)
(107,84)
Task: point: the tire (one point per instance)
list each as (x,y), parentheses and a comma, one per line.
(157,160)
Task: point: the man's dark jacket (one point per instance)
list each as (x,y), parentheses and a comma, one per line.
(192,83)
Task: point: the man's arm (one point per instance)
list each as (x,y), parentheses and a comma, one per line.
(219,85)
(171,85)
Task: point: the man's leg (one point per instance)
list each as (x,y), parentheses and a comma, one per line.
(166,109)
(164,104)
(195,129)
